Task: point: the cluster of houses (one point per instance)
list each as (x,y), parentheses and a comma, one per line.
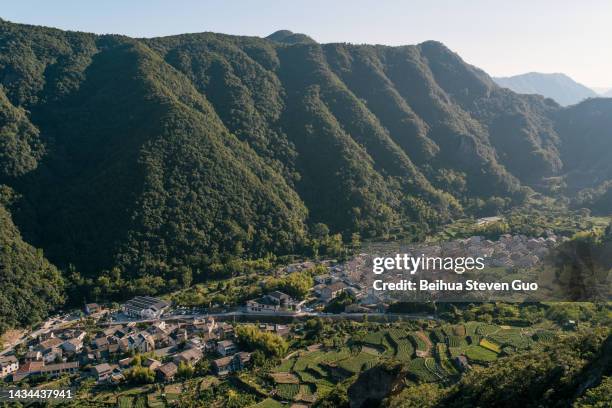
(509,251)
(64,351)
(106,353)
(327,287)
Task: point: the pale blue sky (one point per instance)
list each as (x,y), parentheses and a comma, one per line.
(502,37)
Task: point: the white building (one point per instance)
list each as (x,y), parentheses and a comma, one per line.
(331,291)
(145,307)
(9,365)
(74,345)
(273,302)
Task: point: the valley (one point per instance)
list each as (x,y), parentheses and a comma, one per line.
(192,220)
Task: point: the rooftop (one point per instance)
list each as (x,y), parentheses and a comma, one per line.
(224,361)
(7,360)
(146,302)
(102,368)
(168,369)
(336,286)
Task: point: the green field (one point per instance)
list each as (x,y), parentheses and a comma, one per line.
(405,350)
(358,363)
(417,342)
(478,354)
(489,345)
(481,343)
(285,366)
(268,403)
(457,341)
(287,391)
(544,336)
(418,370)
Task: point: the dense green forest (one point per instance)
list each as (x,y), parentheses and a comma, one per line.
(30,286)
(153,159)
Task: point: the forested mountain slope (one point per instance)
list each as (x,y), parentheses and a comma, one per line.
(156,155)
(31,286)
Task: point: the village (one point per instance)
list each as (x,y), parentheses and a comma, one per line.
(107,351)
(148,332)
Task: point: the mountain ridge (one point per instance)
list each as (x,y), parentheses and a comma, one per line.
(560,87)
(160,158)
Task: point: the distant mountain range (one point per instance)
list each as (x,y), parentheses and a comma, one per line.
(563,89)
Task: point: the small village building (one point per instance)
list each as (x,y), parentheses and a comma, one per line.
(33,355)
(190,356)
(226,365)
(226,347)
(322,279)
(223,366)
(72,346)
(50,349)
(331,291)
(79,334)
(125,362)
(8,365)
(28,368)
(91,308)
(101,372)
(167,372)
(151,363)
(145,307)
(225,330)
(39,368)
(142,342)
(100,343)
(273,302)
(195,342)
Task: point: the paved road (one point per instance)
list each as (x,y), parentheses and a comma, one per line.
(53,324)
(300,315)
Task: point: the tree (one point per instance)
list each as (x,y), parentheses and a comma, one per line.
(184,371)
(140,375)
(252,338)
(418,396)
(296,284)
(202,367)
(355,240)
(339,303)
(186,276)
(258,358)
(597,397)
(320,231)
(337,398)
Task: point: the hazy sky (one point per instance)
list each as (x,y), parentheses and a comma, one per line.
(502,37)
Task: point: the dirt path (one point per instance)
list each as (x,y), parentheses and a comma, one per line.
(425,338)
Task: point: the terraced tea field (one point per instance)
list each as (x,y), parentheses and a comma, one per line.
(428,355)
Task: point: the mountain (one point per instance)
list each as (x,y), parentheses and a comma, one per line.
(31,286)
(563,89)
(158,159)
(602,91)
(289,37)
